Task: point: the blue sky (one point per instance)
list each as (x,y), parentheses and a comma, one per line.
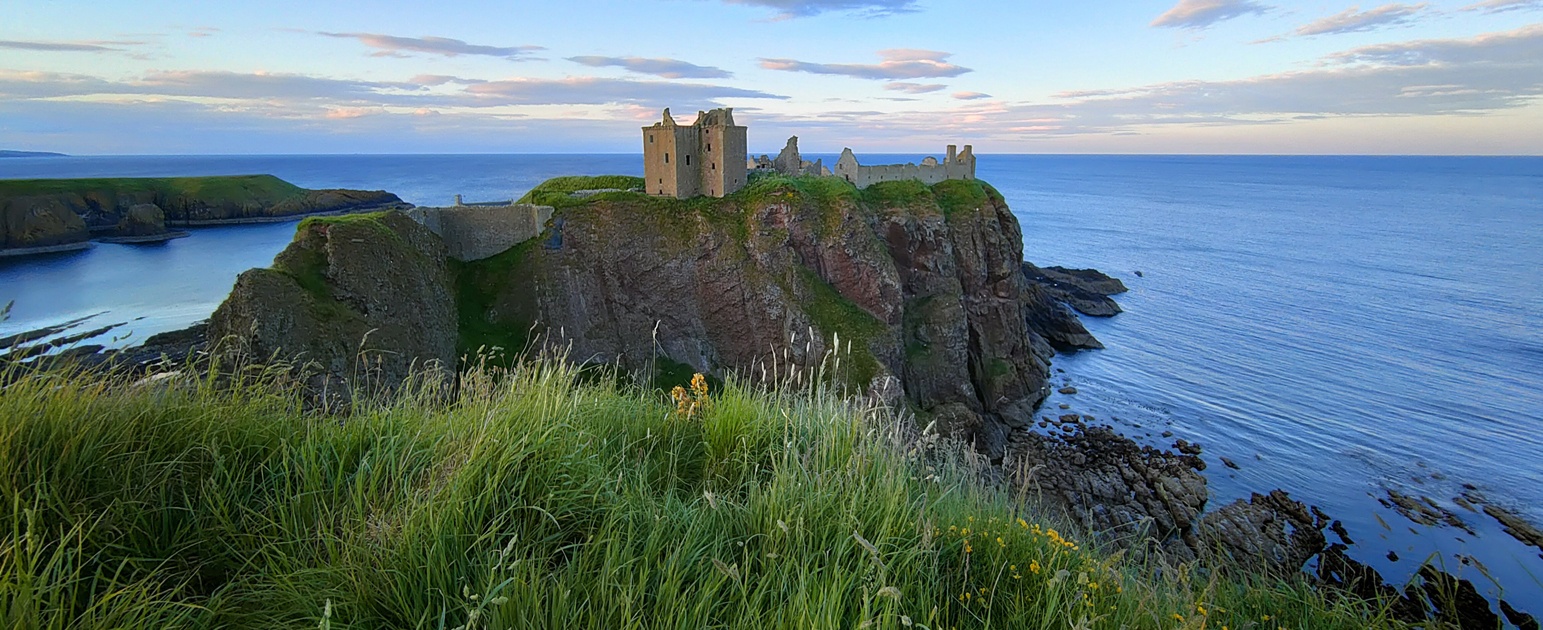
(1009,76)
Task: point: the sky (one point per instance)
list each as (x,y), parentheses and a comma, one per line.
(581,76)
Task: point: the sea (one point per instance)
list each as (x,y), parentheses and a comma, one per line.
(1336,327)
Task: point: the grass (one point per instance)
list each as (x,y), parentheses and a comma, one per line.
(538,499)
(235,190)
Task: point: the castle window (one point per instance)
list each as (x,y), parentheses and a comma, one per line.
(650,138)
(666,158)
(709,147)
(688,160)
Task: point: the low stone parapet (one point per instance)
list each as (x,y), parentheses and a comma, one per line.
(474,232)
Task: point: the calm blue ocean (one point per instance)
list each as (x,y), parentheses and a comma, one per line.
(1337,326)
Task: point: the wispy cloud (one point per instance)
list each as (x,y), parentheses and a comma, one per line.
(897,63)
(86,46)
(971,96)
(1497,6)
(1354,20)
(914,88)
(394,46)
(599,91)
(1197,14)
(788,9)
(667,68)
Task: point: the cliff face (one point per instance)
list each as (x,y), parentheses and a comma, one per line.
(921,286)
(923,283)
(363,297)
(61,211)
(39,222)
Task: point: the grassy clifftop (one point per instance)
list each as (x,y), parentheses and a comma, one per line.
(538,499)
(238,189)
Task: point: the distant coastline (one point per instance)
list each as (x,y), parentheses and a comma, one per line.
(26,154)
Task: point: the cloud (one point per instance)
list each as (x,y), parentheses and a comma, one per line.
(62,46)
(898,63)
(1497,6)
(393,46)
(1196,14)
(1427,77)
(667,68)
(971,96)
(788,9)
(1354,20)
(914,88)
(599,91)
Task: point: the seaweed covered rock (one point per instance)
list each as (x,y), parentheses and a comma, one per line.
(364,298)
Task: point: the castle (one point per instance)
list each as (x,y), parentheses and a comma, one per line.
(681,162)
(706,158)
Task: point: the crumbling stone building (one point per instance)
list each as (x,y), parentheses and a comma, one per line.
(956,166)
(704,158)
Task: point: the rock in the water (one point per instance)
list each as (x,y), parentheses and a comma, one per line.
(1110,484)
(1086,290)
(366,299)
(1067,390)
(145,219)
(1269,533)
(1515,525)
(1054,322)
(1226,461)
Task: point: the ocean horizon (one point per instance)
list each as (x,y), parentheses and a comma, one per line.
(1343,327)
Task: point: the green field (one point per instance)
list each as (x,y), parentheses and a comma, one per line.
(543,497)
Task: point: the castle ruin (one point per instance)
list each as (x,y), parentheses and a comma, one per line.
(956,166)
(709,158)
(705,158)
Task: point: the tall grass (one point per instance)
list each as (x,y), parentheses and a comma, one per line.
(540,499)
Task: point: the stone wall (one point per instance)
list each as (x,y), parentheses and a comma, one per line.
(958,165)
(477,232)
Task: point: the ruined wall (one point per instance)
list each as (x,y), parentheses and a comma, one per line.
(477,232)
(930,171)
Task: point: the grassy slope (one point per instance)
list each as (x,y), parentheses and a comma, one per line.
(237,189)
(539,500)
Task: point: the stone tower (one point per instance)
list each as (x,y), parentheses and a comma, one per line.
(705,158)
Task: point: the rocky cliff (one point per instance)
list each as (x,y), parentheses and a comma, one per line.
(918,284)
(50,212)
(364,298)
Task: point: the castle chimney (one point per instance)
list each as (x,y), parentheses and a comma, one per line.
(457,200)
(952,152)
